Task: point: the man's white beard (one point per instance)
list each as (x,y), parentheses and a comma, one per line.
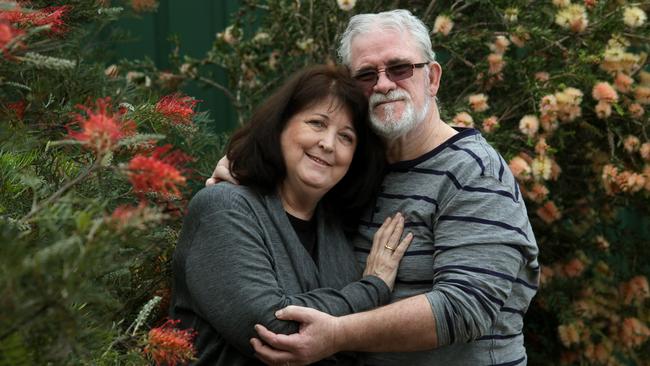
(389,127)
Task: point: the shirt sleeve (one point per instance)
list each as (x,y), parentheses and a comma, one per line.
(482,239)
(231,277)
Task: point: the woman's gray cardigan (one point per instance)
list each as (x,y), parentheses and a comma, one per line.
(238,260)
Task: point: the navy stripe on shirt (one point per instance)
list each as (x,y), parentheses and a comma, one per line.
(513,311)
(485,271)
(498,336)
(501,169)
(410,196)
(483,221)
(471,153)
(470,285)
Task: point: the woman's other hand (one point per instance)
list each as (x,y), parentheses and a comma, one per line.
(388,250)
(221,173)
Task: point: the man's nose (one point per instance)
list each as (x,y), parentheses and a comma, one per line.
(384,84)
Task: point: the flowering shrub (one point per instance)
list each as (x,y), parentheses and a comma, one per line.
(561,88)
(95,173)
(167,345)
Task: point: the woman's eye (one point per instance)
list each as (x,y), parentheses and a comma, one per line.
(347,138)
(316,123)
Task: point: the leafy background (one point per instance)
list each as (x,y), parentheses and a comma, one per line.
(91,204)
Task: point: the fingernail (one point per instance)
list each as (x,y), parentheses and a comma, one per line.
(278,313)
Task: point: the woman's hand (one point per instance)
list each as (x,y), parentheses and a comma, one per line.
(387,250)
(221,173)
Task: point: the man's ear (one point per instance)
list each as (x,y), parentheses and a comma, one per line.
(435,72)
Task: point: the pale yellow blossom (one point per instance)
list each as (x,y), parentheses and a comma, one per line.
(634,17)
(443,24)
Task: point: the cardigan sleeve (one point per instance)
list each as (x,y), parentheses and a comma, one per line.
(231,278)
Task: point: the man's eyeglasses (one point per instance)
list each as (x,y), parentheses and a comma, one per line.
(368,79)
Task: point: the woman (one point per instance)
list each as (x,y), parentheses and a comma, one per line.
(306,158)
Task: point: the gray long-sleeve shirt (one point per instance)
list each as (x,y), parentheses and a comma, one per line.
(473,255)
(238,260)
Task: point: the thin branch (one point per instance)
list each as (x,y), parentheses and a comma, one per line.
(62,190)
(220,87)
(427,13)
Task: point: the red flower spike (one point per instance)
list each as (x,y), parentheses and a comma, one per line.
(52,16)
(101,130)
(7,35)
(18,108)
(168,345)
(160,172)
(177,107)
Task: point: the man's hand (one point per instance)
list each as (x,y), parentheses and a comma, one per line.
(315,340)
(221,173)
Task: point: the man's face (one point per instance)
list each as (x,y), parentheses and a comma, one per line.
(395,107)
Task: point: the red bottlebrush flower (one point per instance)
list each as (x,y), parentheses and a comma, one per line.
(18,108)
(7,35)
(177,107)
(160,172)
(101,130)
(52,16)
(140,6)
(167,345)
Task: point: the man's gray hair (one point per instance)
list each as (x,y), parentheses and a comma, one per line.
(395,20)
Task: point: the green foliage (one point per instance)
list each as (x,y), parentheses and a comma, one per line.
(76,264)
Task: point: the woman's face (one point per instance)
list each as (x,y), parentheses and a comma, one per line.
(318,145)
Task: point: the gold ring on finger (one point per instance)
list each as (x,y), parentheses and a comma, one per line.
(389,248)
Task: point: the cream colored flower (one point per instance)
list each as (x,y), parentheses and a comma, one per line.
(228,35)
(631,143)
(634,17)
(520,168)
(561,3)
(603,109)
(500,45)
(496,63)
(541,168)
(490,124)
(346,5)
(510,15)
(262,37)
(542,76)
(541,147)
(478,102)
(644,151)
(573,17)
(636,110)
(642,94)
(622,82)
(463,119)
(644,78)
(603,91)
(306,44)
(443,24)
(529,125)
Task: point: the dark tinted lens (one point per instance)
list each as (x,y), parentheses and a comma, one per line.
(399,72)
(367,77)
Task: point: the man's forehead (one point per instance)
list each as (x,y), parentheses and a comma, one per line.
(380,49)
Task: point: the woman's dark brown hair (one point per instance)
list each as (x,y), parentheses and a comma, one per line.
(255,152)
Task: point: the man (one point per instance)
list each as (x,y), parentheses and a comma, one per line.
(471,271)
